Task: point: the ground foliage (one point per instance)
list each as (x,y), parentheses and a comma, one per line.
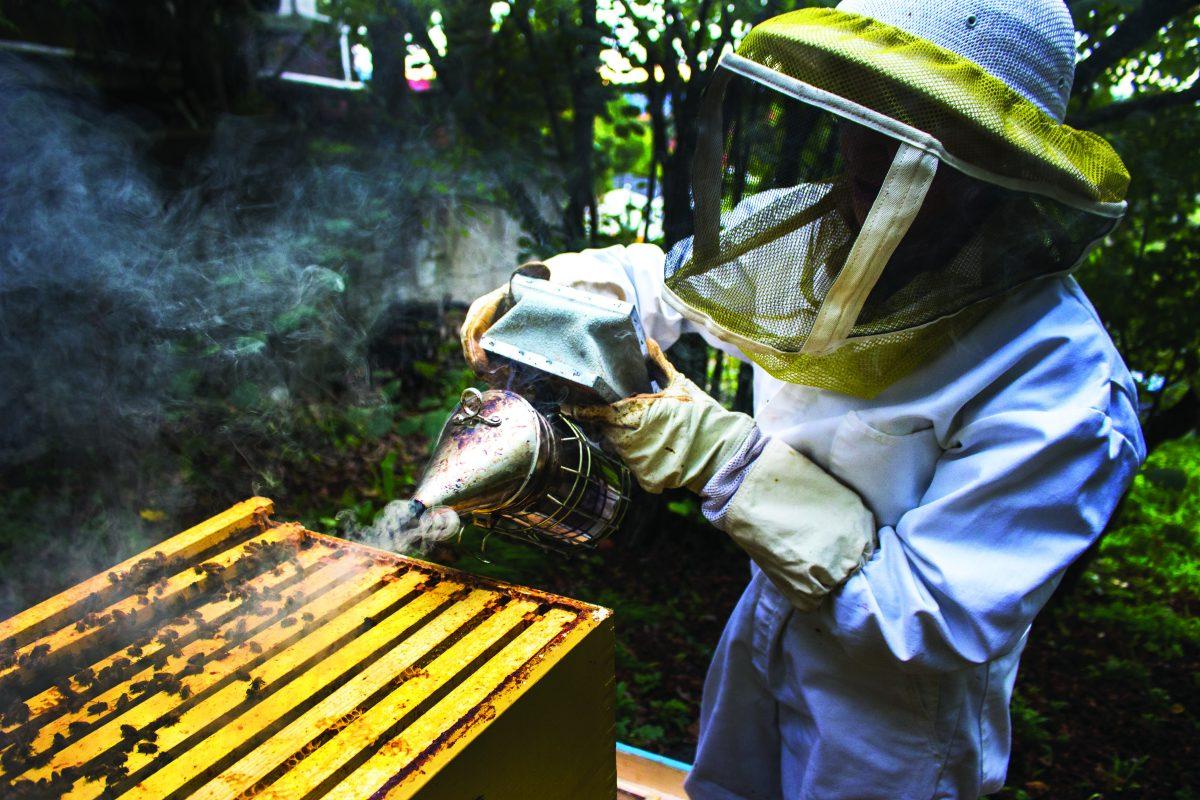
(1109,688)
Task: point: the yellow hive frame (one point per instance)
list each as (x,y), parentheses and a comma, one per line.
(341,672)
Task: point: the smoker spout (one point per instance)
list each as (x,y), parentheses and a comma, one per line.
(487,455)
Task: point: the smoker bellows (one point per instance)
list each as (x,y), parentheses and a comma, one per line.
(244,658)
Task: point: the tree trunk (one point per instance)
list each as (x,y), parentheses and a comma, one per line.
(714,381)
(690,356)
(388,52)
(658,140)
(586,94)
(677,181)
(744,399)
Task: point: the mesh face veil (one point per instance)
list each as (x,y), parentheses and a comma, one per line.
(862,196)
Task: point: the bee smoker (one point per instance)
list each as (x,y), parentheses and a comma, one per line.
(510,459)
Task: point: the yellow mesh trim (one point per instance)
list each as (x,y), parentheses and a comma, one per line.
(975,116)
(865,367)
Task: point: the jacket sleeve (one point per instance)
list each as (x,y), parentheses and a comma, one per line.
(1018,496)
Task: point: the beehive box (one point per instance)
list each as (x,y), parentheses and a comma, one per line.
(244,658)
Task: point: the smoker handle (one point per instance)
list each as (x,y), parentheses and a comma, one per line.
(530,269)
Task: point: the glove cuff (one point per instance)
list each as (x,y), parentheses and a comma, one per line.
(803,528)
(721,488)
(718,436)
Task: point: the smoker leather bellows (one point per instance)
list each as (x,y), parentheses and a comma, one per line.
(527,474)
(591,344)
(245,658)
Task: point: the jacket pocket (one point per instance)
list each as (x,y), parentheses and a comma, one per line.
(890,472)
(925,692)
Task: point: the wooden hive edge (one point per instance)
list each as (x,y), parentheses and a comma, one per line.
(467,579)
(645,776)
(506,697)
(54,612)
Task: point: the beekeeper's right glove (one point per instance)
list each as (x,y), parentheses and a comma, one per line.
(807,531)
(482,314)
(675,438)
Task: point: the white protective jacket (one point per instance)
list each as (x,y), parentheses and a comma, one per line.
(988,470)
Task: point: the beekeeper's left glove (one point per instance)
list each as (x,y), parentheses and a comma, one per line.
(678,437)
(482,314)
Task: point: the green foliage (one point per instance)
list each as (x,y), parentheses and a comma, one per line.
(1124,641)
(623,143)
(1143,280)
(1146,581)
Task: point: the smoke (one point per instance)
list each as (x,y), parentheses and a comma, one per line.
(404,526)
(119,296)
(170,334)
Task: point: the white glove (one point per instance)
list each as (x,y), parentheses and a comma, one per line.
(803,528)
(600,272)
(675,438)
(482,314)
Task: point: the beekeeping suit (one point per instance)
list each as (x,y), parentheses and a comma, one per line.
(887,210)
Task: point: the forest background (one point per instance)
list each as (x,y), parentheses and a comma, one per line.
(219,280)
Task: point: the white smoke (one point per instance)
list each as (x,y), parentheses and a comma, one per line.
(171,328)
(404,526)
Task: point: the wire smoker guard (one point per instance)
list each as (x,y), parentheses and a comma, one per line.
(526,474)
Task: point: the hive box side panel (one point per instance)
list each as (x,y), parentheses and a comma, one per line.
(555,742)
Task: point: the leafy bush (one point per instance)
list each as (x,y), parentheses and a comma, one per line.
(1104,705)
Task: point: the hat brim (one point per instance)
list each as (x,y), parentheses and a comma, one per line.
(977,120)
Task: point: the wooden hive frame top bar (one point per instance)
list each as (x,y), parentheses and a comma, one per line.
(246,658)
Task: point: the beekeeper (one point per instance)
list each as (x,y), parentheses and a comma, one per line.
(887,208)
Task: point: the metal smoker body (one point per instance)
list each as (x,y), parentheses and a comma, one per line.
(526,474)
(534,474)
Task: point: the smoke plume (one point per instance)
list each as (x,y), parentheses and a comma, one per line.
(405,527)
(167,330)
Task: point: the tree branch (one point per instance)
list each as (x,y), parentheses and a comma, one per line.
(643,38)
(702,34)
(725,38)
(520,17)
(1149,103)
(674,19)
(1138,26)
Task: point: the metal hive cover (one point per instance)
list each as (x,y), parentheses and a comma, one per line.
(244,658)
